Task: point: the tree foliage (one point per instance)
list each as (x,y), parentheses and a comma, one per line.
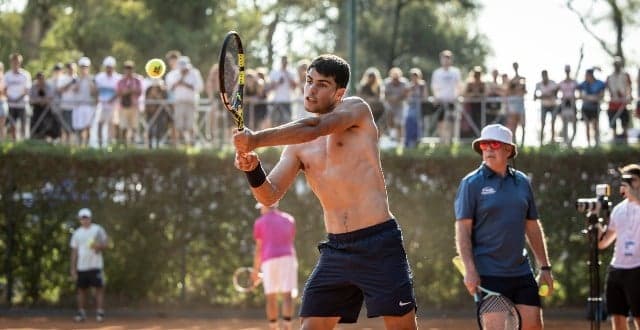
(48,31)
(618,14)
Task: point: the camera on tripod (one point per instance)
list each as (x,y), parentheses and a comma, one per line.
(599,203)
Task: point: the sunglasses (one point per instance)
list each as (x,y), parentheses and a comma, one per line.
(493,145)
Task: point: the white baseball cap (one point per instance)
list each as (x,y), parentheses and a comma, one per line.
(84,61)
(495,132)
(109,61)
(84,213)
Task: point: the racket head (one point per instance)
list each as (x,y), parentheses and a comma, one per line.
(242,280)
(231,76)
(495,311)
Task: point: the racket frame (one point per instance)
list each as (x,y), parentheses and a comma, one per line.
(236,109)
(479,298)
(237,286)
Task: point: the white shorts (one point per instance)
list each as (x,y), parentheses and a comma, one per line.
(280,275)
(82,117)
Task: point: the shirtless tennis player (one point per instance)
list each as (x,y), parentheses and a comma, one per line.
(363,258)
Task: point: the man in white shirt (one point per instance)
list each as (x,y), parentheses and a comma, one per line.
(445,84)
(547,92)
(622,285)
(106,83)
(619,87)
(282,85)
(185,84)
(87,243)
(17,83)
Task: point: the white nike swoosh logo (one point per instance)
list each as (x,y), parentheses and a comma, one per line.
(401,304)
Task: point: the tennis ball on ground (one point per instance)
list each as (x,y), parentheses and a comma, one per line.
(155,68)
(543,291)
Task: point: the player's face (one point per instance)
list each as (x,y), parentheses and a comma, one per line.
(321,93)
(495,154)
(625,186)
(85,221)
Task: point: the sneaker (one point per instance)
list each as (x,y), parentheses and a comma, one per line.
(80,317)
(100,317)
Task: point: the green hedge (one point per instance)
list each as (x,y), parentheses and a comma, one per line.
(177,215)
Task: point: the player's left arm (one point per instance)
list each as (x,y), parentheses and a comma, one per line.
(538,244)
(268,189)
(349,113)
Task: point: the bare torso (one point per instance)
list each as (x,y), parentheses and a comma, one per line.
(343,169)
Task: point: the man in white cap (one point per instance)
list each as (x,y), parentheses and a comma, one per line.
(275,255)
(495,214)
(106,83)
(87,243)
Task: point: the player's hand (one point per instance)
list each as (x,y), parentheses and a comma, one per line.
(243,140)
(255,276)
(545,277)
(471,281)
(246,161)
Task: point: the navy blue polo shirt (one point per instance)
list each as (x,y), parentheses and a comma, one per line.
(499,207)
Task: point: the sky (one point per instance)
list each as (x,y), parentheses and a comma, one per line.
(544,34)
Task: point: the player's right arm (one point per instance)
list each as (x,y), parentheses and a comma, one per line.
(349,113)
(272,187)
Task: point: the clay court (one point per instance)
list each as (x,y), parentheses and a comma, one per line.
(251,320)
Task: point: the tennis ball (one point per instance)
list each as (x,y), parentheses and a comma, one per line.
(543,291)
(155,68)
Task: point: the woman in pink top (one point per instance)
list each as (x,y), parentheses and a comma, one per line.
(274,232)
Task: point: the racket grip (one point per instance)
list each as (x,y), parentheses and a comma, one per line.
(477,297)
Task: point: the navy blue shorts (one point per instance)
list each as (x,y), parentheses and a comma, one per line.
(367,265)
(522,290)
(90,278)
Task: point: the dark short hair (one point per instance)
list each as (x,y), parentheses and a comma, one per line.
(332,66)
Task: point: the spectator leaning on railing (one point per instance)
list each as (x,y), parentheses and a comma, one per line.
(85,104)
(106,83)
(129,88)
(185,83)
(17,84)
(43,123)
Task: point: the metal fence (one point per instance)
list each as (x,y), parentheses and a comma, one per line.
(212,125)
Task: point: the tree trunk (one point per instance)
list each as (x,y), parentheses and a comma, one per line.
(37,20)
(271,30)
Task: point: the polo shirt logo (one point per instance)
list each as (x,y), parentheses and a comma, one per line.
(487,191)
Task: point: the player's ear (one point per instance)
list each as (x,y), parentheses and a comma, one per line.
(340,94)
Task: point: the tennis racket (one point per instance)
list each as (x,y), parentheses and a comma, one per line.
(242,280)
(231,76)
(494,311)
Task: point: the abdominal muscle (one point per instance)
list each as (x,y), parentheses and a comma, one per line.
(349,185)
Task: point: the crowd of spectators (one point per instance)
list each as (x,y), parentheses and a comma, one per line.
(62,105)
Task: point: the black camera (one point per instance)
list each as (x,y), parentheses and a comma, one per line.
(599,203)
